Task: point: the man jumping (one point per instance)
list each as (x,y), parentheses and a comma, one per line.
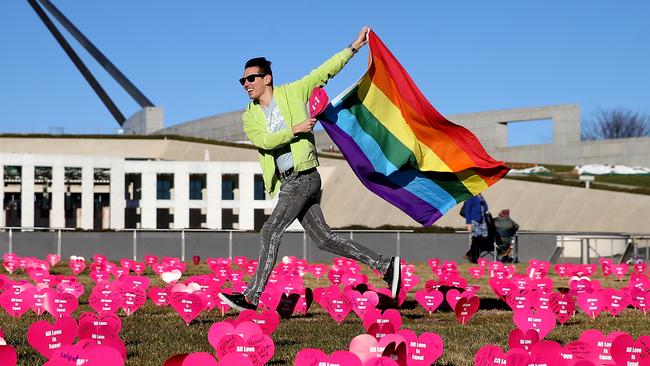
(276,122)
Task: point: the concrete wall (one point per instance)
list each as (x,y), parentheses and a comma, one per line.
(116,245)
(144,122)
(490,128)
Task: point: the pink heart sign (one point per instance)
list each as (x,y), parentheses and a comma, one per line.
(317,270)
(391,316)
(602,343)
(490,355)
(579,350)
(60,305)
(39,298)
(77,264)
(422,350)
(591,303)
(218,331)
(318,100)
(10,265)
(158,295)
(543,321)
(521,340)
(188,306)
(75,289)
(86,353)
(132,299)
(316,357)
(270,298)
(366,347)
(53,259)
(361,303)
(259,348)
(199,358)
(466,308)
(46,338)
(336,306)
(562,306)
(626,351)
(615,301)
(476,272)
(430,300)
(620,270)
(17,304)
(268,320)
(105,298)
(380,330)
(547,353)
(9,356)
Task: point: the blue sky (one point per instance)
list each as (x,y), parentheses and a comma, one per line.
(466,56)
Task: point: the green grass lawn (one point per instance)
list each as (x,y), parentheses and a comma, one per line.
(154,334)
(565,175)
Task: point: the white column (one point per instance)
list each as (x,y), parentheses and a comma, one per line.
(27,194)
(181,196)
(117,200)
(148,201)
(57,215)
(87,196)
(2,192)
(213,185)
(246,195)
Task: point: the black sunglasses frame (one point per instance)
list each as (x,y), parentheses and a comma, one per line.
(250,78)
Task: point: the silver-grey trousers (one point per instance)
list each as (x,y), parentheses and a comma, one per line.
(298,198)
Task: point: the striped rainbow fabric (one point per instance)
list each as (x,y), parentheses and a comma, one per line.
(401,148)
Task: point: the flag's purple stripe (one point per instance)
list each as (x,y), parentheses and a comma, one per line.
(412,205)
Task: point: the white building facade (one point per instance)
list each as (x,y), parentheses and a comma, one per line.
(98,193)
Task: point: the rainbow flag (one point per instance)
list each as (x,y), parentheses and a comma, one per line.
(401,148)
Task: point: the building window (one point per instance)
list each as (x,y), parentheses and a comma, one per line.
(12,188)
(229,186)
(164,186)
(258,182)
(72,197)
(164,218)
(42,195)
(197,218)
(260,217)
(229,218)
(197,185)
(132,188)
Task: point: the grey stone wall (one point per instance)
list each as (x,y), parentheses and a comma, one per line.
(413,247)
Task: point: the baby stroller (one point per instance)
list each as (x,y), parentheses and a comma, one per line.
(506,230)
(495,245)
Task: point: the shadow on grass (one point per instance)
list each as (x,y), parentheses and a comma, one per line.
(493,304)
(277,362)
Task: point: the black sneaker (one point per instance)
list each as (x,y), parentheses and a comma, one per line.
(393,276)
(237,301)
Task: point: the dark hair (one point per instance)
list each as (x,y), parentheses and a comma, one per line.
(262,63)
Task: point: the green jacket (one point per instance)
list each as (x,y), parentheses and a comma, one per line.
(291,99)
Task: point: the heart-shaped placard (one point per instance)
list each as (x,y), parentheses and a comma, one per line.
(314,356)
(46,338)
(318,100)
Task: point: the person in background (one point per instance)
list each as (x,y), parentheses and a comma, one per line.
(475,210)
(507,229)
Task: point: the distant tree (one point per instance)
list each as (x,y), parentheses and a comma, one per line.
(616,124)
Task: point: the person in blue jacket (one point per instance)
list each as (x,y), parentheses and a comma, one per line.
(475,210)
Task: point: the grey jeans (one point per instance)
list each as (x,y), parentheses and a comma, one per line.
(298,198)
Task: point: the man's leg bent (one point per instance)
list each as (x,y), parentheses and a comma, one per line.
(288,207)
(314,224)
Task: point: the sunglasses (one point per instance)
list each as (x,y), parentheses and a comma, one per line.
(250,78)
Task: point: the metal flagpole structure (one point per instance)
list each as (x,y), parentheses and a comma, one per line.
(112,70)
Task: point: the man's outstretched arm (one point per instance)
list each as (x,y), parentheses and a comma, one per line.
(331,67)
